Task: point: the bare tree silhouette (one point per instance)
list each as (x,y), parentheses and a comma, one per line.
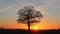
(29,15)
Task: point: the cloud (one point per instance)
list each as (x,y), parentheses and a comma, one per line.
(45,6)
(14,6)
(7,8)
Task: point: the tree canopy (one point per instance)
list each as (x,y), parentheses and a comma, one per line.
(28,12)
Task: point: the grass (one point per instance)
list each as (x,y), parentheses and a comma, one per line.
(22,31)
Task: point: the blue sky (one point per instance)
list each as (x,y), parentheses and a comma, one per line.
(49,8)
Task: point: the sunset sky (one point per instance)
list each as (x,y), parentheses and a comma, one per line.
(50,10)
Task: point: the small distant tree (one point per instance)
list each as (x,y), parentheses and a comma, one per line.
(2,27)
(29,15)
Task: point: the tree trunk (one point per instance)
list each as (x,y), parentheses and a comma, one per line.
(28,25)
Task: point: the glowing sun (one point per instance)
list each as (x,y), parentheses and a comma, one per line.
(35,28)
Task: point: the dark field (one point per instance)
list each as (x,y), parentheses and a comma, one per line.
(21,31)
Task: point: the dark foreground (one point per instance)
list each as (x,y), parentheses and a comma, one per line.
(21,31)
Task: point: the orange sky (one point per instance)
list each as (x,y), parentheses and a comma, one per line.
(43,25)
